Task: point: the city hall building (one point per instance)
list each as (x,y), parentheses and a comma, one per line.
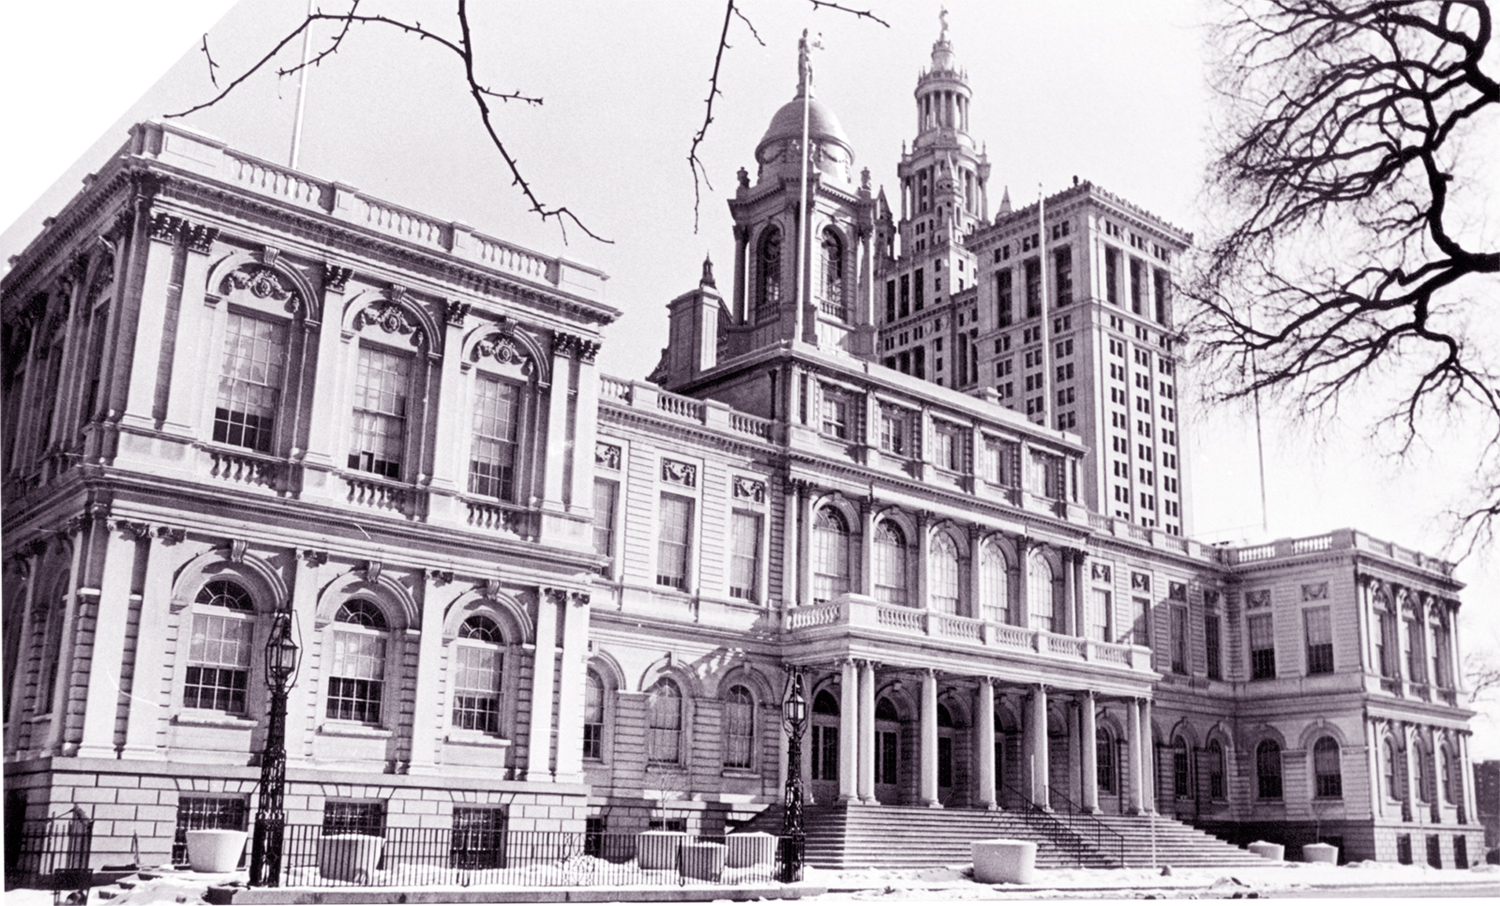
(936,469)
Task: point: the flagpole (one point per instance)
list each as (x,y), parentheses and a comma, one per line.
(301,89)
(1041,221)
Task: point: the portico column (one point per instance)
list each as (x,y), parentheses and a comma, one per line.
(848,732)
(984,744)
(1133,771)
(544,667)
(1038,729)
(867,732)
(1088,751)
(1148,759)
(929,792)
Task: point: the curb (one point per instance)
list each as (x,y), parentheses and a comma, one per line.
(304,896)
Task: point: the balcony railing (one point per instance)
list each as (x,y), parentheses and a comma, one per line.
(674,407)
(858,611)
(1343,539)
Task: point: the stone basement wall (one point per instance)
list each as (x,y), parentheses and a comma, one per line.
(134,804)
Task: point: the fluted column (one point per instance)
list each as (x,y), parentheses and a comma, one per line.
(544,667)
(1133,772)
(848,732)
(1148,758)
(867,732)
(984,743)
(929,791)
(1088,751)
(1037,728)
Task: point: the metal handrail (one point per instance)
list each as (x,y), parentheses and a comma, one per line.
(1044,822)
(1104,835)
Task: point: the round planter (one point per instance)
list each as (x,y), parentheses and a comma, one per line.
(1273,851)
(215,850)
(657,850)
(1004,861)
(745,850)
(704,861)
(1321,852)
(349,857)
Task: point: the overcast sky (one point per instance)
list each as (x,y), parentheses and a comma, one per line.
(1111,92)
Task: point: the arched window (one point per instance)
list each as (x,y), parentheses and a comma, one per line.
(478,668)
(825,737)
(1268,769)
(832,302)
(884,710)
(1215,770)
(356,672)
(739,727)
(1180,779)
(593,717)
(1039,594)
(768,274)
(994,585)
(1392,777)
(943,575)
(219,653)
(890,564)
(830,554)
(1328,775)
(1104,760)
(664,742)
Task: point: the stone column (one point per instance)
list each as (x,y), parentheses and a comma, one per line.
(975,588)
(1133,773)
(325,380)
(867,549)
(1148,758)
(984,744)
(150,328)
(80,531)
(425,704)
(31,559)
(1022,605)
(185,401)
(1372,764)
(112,615)
(791,512)
(544,666)
(1037,729)
(929,756)
(1088,751)
(919,547)
(1466,777)
(456,413)
(302,705)
(848,732)
(145,708)
(1080,596)
(586,422)
(867,732)
(1404,770)
(571,683)
(741,275)
(805,547)
(557,428)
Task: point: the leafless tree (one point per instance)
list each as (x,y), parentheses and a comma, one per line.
(1347,247)
(1481,674)
(462,46)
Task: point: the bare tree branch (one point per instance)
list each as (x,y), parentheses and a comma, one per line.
(211,64)
(1481,674)
(857,13)
(462,48)
(1344,258)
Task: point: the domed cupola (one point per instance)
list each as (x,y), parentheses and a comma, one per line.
(777,151)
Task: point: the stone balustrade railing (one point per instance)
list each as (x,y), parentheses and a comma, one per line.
(640,395)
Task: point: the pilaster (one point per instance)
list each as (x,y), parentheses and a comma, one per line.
(544,668)
(571,683)
(106,657)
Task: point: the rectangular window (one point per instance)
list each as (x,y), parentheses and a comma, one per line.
(1003,307)
(478,838)
(835,413)
(1112,276)
(492,460)
(606,505)
(1100,607)
(1163,287)
(1062,262)
(1137,286)
(250,383)
(1141,630)
(206,813)
(918,288)
(1211,645)
(1262,646)
(477,672)
(356,677)
(825,753)
(1179,640)
(675,526)
(345,817)
(890,300)
(905,295)
(744,562)
(947,449)
(1033,287)
(593,717)
(1316,623)
(380,395)
(893,431)
(218,663)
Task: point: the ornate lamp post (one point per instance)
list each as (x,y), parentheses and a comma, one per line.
(270,816)
(793,839)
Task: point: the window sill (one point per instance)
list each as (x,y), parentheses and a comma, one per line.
(362,731)
(474,738)
(740,774)
(213,719)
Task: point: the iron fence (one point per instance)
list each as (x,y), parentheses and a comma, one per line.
(51,853)
(448,857)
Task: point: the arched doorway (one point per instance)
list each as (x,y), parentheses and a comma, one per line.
(823,781)
(945,754)
(887,753)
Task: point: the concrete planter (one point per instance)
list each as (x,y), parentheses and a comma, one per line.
(1321,852)
(349,857)
(1004,861)
(704,861)
(1273,851)
(656,850)
(215,850)
(746,850)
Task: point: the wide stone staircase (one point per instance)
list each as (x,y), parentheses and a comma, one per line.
(886,836)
